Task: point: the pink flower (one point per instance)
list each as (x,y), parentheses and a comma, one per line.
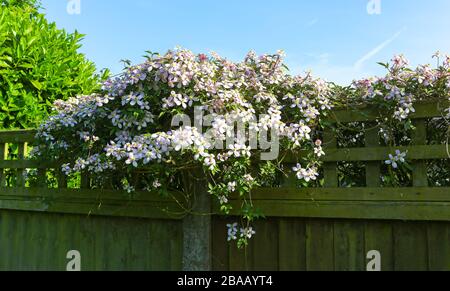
(202,57)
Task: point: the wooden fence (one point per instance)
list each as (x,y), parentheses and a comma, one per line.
(39,226)
(329,228)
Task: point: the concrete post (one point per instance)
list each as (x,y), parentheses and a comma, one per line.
(197,230)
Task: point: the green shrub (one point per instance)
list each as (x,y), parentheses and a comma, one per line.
(39,64)
(20,3)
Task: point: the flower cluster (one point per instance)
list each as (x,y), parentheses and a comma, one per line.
(233,233)
(125,134)
(305,174)
(403,86)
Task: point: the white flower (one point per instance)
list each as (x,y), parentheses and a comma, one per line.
(210,162)
(223,199)
(179,100)
(136,99)
(318,151)
(239,150)
(399,158)
(305,174)
(399,62)
(80,164)
(392,161)
(405,108)
(66,169)
(156,184)
(231,186)
(131,160)
(248,178)
(247,232)
(232,231)
(115,117)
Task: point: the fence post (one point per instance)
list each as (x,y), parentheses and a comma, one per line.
(197,241)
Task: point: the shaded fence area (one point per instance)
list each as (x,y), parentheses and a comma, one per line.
(39,225)
(327,228)
(306,244)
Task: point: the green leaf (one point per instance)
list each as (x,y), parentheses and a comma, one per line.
(26,66)
(3,64)
(36,84)
(384,65)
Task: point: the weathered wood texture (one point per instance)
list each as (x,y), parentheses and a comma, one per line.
(304,244)
(40,241)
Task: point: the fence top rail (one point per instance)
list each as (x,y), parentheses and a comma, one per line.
(17,136)
(91,203)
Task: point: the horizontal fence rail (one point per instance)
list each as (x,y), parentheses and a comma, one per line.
(424,204)
(419,152)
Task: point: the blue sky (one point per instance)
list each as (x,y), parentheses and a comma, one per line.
(336,39)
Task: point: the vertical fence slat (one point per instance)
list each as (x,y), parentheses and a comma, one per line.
(420,177)
(3,154)
(373,169)
(264,251)
(348,246)
(62,179)
(291,245)
(410,246)
(320,245)
(379,236)
(438,235)
(42,178)
(85,181)
(220,245)
(330,169)
(20,179)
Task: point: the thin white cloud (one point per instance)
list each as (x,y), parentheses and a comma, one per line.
(343,75)
(322,58)
(359,64)
(312,22)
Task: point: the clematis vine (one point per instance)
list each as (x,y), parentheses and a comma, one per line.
(124,139)
(124,136)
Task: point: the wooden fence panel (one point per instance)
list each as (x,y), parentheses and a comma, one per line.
(339,245)
(40,241)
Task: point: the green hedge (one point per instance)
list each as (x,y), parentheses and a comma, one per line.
(39,64)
